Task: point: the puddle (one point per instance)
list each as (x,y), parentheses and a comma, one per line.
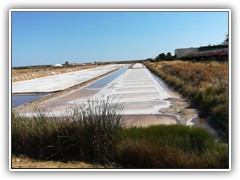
(202,122)
(18,100)
(104,81)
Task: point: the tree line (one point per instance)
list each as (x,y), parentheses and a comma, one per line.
(163,57)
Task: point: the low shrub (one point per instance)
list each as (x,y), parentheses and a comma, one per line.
(142,154)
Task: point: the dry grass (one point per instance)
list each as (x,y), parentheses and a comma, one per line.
(144,154)
(206,84)
(26,162)
(198,75)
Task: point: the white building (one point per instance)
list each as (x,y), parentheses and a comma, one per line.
(57,65)
(185,51)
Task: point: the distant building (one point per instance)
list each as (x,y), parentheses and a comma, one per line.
(203,51)
(185,51)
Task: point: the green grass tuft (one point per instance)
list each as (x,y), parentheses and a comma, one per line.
(174,146)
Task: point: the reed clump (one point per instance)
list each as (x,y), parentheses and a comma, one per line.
(90,133)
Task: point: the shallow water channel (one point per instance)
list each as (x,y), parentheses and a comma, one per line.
(104,81)
(90,89)
(18,100)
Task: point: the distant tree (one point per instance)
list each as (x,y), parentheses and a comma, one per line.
(169,57)
(150,59)
(160,57)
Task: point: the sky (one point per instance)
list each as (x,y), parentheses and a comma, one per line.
(41,38)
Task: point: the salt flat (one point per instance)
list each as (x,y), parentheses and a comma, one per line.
(137,89)
(147,100)
(61,81)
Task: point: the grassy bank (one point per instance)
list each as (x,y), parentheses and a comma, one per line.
(205,84)
(173,146)
(96,135)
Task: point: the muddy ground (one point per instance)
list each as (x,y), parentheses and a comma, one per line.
(181,108)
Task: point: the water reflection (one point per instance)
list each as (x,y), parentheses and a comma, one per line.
(200,121)
(18,100)
(104,81)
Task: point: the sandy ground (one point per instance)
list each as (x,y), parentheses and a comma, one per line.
(19,162)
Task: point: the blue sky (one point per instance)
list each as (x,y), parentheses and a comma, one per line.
(40,38)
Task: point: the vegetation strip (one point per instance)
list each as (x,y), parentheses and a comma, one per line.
(96,134)
(205,84)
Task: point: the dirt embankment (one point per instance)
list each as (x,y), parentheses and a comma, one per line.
(20,74)
(181,109)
